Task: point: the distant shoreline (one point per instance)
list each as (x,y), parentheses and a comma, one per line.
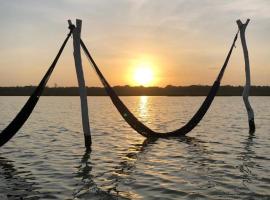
(193,90)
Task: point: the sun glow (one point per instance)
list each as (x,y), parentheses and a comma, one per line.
(143,74)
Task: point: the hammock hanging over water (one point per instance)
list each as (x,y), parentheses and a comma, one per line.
(139,126)
(27,109)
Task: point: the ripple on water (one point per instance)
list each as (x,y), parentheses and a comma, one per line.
(218,160)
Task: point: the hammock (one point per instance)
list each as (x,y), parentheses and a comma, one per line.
(139,126)
(27,109)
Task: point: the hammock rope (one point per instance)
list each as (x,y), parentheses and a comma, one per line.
(29,106)
(138,125)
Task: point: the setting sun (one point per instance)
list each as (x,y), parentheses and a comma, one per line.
(143,74)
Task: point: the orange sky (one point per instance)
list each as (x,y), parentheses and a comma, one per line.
(185,41)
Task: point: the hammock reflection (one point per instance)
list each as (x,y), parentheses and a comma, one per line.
(90,189)
(16,184)
(126,174)
(121,177)
(129,160)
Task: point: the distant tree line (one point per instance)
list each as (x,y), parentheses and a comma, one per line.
(193,90)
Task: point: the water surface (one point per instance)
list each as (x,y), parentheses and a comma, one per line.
(219,159)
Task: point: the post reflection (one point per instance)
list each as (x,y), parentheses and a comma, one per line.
(89,189)
(248,163)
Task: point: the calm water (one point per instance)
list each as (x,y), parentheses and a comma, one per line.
(217,160)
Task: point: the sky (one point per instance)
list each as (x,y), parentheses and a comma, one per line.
(184,42)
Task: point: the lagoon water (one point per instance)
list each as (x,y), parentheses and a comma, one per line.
(219,159)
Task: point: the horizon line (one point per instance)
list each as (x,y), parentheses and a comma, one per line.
(135,86)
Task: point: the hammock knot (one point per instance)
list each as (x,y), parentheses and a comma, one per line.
(71,27)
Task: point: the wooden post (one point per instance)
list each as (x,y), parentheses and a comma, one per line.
(242,29)
(81,82)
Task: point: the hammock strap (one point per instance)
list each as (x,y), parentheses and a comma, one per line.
(227,58)
(27,109)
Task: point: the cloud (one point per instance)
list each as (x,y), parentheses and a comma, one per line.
(178,31)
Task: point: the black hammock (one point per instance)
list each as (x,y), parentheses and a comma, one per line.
(139,126)
(27,109)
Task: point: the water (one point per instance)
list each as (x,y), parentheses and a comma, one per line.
(217,160)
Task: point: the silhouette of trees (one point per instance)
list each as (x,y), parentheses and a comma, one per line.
(169,90)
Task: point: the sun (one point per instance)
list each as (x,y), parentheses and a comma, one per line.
(143,75)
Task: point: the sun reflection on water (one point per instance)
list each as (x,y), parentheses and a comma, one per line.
(143,107)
